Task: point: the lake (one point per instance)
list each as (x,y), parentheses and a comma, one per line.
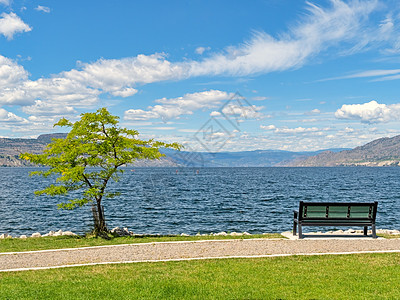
(205,200)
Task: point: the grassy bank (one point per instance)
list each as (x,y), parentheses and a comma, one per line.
(366,276)
(43,243)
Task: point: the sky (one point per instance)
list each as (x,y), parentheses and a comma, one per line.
(212,75)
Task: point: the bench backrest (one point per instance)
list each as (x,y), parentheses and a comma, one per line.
(337,211)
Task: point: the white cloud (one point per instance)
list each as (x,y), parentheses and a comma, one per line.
(11,24)
(309,120)
(10,73)
(268,127)
(215,114)
(368,73)
(10,117)
(371,112)
(259,98)
(125,92)
(247,112)
(41,108)
(322,28)
(5,2)
(285,130)
(43,8)
(114,74)
(201,50)
(315,111)
(175,107)
(56,90)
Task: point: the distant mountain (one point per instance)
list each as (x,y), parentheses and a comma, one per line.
(256,158)
(11,148)
(380,152)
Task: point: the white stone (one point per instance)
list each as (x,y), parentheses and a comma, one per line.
(198,234)
(36,234)
(246,233)
(23,236)
(236,234)
(222,233)
(51,233)
(69,233)
(184,234)
(3,236)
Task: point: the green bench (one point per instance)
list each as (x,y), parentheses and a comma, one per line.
(335,214)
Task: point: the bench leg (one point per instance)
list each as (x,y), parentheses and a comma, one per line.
(300,232)
(365,230)
(373,231)
(294,227)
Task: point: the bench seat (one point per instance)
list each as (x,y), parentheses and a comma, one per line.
(335,214)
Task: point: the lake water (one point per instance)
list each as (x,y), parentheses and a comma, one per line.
(164,201)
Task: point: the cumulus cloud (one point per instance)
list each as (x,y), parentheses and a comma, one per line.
(247,112)
(41,108)
(175,107)
(43,9)
(55,90)
(125,92)
(11,24)
(10,117)
(215,114)
(201,50)
(11,73)
(112,75)
(371,112)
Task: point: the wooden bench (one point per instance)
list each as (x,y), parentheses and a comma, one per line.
(335,214)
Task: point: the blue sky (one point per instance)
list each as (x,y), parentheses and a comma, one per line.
(213,75)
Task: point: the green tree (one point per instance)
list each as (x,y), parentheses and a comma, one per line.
(89,157)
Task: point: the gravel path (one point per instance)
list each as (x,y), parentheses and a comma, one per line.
(185,250)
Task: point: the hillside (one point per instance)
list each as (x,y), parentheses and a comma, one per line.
(380,152)
(11,148)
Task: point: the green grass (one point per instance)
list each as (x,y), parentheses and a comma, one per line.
(389,236)
(43,243)
(363,276)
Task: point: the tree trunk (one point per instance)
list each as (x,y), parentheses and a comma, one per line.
(98,218)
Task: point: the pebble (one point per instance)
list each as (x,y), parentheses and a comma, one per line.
(36,234)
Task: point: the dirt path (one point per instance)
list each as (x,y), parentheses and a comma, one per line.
(188,250)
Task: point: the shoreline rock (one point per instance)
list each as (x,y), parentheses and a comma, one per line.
(125,232)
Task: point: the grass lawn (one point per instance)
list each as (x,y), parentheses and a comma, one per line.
(363,276)
(42,243)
